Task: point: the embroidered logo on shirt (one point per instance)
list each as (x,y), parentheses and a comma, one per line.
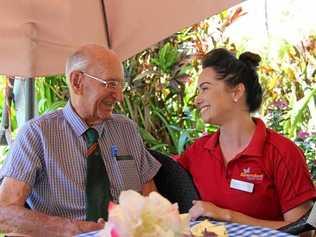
(246,173)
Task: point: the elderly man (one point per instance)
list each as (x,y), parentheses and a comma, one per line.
(67,165)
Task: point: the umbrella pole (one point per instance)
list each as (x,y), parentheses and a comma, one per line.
(106,25)
(24,99)
(29,96)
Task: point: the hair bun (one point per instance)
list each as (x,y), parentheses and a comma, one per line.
(249,58)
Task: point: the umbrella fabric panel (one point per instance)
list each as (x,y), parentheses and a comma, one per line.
(37,36)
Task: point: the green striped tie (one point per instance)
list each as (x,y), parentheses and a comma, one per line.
(97,185)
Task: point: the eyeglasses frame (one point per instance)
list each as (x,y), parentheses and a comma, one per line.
(118,84)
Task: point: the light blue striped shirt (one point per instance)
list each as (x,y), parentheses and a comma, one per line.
(49,155)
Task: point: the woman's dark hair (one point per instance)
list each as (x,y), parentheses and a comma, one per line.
(234,71)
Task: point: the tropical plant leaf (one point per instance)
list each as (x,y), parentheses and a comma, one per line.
(183,140)
(299,108)
(56,105)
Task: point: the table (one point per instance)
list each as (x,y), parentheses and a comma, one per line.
(238,230)
(234,230)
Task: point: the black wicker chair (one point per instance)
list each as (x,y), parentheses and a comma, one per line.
(174,183)
(306,223)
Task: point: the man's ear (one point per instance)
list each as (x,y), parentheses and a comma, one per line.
(76,79)
(238,92)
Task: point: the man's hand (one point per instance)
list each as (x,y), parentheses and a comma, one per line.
(78,227)
(35,224)
(149,187)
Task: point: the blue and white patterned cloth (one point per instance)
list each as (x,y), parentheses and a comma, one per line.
(234,230)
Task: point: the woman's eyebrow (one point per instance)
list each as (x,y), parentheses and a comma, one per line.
(205,83)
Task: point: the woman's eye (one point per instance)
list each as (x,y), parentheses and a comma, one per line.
(204,88)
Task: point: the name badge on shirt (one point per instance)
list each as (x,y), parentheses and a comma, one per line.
(241,185)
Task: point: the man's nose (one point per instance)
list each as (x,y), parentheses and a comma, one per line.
(118,95)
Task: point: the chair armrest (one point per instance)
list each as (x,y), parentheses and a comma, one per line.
(298,226)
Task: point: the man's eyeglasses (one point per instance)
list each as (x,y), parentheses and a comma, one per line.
(111,84)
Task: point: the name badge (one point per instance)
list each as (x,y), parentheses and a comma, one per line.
(241,185)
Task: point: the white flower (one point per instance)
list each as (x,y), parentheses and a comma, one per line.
(139,216)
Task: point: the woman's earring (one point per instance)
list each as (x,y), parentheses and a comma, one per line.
(235,100)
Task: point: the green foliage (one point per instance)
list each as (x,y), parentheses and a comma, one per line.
(290,95)
(292,82)
(299,110)
(167,57)
(308,145)
(3,151)
(51,93)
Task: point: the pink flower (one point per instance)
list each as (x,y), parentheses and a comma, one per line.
(303,134)
(280,104)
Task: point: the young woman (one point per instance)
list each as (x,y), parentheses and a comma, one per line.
(244,172)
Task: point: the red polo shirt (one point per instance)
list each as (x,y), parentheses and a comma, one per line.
(272,163)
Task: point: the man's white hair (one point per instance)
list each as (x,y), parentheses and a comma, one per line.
(76,62)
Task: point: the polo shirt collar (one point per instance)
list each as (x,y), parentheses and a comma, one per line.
(255,147)
(213,141)
(77,124)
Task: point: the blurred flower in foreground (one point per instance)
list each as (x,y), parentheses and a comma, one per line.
(139,216)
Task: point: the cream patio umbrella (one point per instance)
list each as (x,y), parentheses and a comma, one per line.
(36,36)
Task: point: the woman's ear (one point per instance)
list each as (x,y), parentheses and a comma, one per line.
(76,79)
(238,92)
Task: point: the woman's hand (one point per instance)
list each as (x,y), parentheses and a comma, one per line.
(202,208)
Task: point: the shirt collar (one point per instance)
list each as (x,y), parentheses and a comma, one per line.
(255,147)
(213,141)
(77,124)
